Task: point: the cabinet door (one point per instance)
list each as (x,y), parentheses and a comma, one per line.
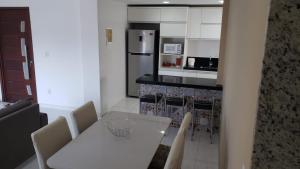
(207,75)
(210,31)
(187,73)
(170,72)
(212,15)
(194,22)
(173,29)
(174,14)
(143,14)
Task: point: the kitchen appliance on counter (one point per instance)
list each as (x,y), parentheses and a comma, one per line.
(169,48)
(141,57)
(202,63)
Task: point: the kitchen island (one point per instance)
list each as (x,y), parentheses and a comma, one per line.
(189,89)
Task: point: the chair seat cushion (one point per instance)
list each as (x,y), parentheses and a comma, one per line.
(160,157)
(150,98)
(175,101)
(203,105)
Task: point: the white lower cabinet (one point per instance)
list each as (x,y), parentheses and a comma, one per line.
(170,72)
(207,75)
(172,29)
(189,73)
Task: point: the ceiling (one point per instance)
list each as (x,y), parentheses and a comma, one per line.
(198,2)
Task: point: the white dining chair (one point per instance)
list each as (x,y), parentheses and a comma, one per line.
(171,158)
(84,116)
(175,156)
(176,153)
(186,121)
(49,139)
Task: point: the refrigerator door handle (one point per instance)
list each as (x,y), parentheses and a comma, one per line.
(141,54)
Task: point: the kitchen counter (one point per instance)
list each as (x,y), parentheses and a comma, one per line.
(176,81)
(179,87)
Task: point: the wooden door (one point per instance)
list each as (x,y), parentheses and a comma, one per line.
(16,54)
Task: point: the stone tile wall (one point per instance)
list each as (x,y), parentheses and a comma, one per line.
(277,136)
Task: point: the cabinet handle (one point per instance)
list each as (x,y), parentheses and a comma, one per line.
(24,54)
(22,26)
(29,92)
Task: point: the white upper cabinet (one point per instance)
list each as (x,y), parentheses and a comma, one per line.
(143,14)
(205,23)
(212,15)
(194,22)
(210,31)
(176,14)
(157,14)
(173,29)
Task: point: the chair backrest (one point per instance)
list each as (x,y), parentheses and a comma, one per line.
(186,121)
(49,139)
(175,157)
(85,116)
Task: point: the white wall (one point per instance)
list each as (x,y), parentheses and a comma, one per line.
(244,52)
(66,51)
(13,3)
(57,52)
(112,14)
(90,51)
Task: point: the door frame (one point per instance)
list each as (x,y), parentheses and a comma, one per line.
(30,56)
(3,87)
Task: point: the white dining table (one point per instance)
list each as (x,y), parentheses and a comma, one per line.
(98,148)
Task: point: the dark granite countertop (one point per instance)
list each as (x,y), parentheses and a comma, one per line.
(176,81)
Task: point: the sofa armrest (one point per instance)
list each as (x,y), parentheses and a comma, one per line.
(15,133)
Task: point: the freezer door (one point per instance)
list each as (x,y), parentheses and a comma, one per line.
(141,41)
(138,65)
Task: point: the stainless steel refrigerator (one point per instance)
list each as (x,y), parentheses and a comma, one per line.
(141,57)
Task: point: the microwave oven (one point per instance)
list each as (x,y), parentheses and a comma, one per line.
(170,48)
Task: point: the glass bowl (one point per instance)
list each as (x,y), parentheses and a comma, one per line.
(119,127)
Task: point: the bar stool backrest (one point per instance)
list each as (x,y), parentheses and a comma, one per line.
(174,92)
(146,89)
(203,94)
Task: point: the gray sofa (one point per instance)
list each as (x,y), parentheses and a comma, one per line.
(17,122)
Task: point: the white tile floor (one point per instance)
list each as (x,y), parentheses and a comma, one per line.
(198,154)
(127,105)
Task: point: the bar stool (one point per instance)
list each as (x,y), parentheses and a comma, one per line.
(207,105)
(175,97)
(150,94)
